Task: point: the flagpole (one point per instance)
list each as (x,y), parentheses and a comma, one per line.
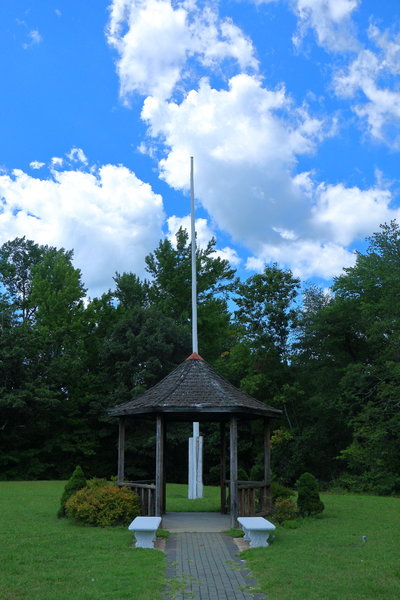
(195,488)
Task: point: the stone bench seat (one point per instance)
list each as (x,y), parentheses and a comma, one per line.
(145,529)
(256,530)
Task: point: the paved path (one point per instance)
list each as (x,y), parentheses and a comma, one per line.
(206,567)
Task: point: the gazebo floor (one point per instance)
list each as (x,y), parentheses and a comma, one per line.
(185,522)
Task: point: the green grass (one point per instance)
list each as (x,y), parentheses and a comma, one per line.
(45,558)
(177,499)
(325,559)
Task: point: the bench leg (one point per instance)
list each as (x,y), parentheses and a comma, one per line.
(145,539)
(258,538)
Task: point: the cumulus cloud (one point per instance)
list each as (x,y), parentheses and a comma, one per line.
(372,79)
(247,139)
(155,39)
(329,19)
(110,218)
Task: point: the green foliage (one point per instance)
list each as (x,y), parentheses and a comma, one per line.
(76,482)
(308,500)
(285,510)
(103,506)
(281,492)
(242,474)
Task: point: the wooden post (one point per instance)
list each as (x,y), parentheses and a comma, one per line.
(223,467)
(164,492)
(121,451)
(267,502)
(159,465)
(233,471)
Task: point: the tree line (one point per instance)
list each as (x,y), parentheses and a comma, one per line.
(328,360)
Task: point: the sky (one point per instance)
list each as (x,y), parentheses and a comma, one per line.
(290,108)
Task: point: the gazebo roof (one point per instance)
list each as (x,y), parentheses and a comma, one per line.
(195,391)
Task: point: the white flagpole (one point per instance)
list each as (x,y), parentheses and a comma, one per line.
(195,489)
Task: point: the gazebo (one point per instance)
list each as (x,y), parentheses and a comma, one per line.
(194,391)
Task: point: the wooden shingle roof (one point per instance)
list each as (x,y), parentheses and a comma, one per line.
(194,391)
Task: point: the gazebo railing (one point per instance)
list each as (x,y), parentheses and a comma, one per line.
(254,498)
(147,495)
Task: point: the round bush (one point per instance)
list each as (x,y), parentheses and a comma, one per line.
(103,506)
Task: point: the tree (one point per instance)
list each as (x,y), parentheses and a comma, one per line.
(169,289)
(266,317)
(17,259)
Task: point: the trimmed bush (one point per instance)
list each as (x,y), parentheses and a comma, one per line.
(76,482)
(285,510)
(308,500)
(103,506)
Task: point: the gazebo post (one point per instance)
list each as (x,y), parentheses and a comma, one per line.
(159,465)
(121,451)
(223,466)
(164,490)
(233,471)
(267,468)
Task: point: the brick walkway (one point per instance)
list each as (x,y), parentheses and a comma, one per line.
(205,566)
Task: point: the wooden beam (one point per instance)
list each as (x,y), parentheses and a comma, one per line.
(223,466)
(267,502)
(159,465)
(233,471)
(121,450)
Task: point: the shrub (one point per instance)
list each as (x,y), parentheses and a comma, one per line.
(279,491)
(285,510)
(308,500)
(242,475)
(76,482)
(103,506)
(257,473)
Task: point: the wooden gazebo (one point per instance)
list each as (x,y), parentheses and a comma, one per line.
(194,391)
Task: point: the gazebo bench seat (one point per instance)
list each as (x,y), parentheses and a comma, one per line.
(256,530)
(145,529)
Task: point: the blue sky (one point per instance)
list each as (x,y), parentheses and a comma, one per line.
(291,109)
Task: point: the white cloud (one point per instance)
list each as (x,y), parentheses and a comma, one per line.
(34,39)
(77,155)
(246,142)
(35,164)
(372,79)
(247,139)
(344,214)
(306,258)
(155,39)
(330,20)
(108,217)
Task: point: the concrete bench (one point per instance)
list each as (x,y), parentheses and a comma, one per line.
(256,530)
(145,529)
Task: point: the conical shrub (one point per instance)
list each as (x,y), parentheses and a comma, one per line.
(308,500)
(76,482)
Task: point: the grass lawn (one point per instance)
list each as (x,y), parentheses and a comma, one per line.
(325,559)
(177,499)
(45,558)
